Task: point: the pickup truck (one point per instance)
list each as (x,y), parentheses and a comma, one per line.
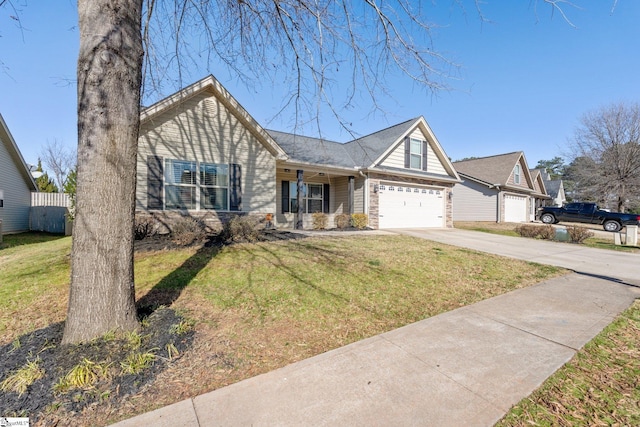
(588,213)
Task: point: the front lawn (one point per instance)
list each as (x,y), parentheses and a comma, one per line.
(257,307)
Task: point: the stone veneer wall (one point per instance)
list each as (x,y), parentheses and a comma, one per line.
(374,200)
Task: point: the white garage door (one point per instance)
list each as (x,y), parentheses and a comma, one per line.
(515,208)
(408,206)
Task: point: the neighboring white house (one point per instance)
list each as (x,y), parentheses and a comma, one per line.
(16,184)
(201,154)
(496,188)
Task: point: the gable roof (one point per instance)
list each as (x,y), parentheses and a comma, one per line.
(553,186)
(536,176)
(212,85)
(361,153)
(16,156)
(494,170)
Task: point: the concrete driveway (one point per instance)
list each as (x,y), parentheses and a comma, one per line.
(614,265)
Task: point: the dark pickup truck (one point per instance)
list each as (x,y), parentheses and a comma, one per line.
(588,213)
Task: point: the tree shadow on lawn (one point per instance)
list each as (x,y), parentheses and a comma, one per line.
(169,288)
(29,238)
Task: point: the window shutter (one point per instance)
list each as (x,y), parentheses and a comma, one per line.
(407,153)
(154,182)
(235,178)
(424,155)
(325,201)
(285,196)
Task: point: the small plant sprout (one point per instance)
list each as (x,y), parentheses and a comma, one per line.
(183,327)
(172,351)
(137,362)
(20,380)
(83,375)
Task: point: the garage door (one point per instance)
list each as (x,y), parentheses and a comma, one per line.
(515,208)
(410,206)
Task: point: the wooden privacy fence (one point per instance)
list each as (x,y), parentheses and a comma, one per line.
(50,199)
(50,213)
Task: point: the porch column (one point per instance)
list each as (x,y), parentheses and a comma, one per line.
(299,213)
(351,194)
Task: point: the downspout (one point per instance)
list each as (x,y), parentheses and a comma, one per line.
(499,198)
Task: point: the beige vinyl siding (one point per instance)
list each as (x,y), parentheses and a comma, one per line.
(474,202)
(358,197)
(202,129)
(523,178)
(340,198)
(17,194)
(395,159)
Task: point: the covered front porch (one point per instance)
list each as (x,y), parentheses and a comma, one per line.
(302,190)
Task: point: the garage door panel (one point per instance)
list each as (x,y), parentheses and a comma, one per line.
(515,208)
(409,208)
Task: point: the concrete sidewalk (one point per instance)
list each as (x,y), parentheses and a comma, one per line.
(465,367)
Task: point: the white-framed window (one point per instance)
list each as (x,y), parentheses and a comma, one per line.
(180,184)
(214,186)
(312,197)
(516,174)
(415,150)
(189,184)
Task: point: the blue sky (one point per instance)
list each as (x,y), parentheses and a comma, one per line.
(526,77)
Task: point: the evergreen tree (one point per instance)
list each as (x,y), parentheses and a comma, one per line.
(45,184)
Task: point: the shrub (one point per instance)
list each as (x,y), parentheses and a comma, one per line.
(241,229)
(320,220)
(360,220)
(342,221)
(187,230)
(546,232)
(578,234)
(143,227)
(527,230)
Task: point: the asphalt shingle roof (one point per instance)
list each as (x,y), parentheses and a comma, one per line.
(361,152)
(491,170)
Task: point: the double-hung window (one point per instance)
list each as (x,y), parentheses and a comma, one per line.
(191,184)
(315,197)
(214,186)
(416,153)
(312,197)
(180,184)
(516,174)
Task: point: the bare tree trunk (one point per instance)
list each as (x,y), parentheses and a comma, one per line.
(102,295)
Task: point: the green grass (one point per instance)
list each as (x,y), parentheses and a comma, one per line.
(371,280)
(599,386)
(392,280)
(600,243)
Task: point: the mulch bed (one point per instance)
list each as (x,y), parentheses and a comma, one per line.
(56,360)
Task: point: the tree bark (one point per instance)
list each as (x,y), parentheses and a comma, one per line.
(102,294)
